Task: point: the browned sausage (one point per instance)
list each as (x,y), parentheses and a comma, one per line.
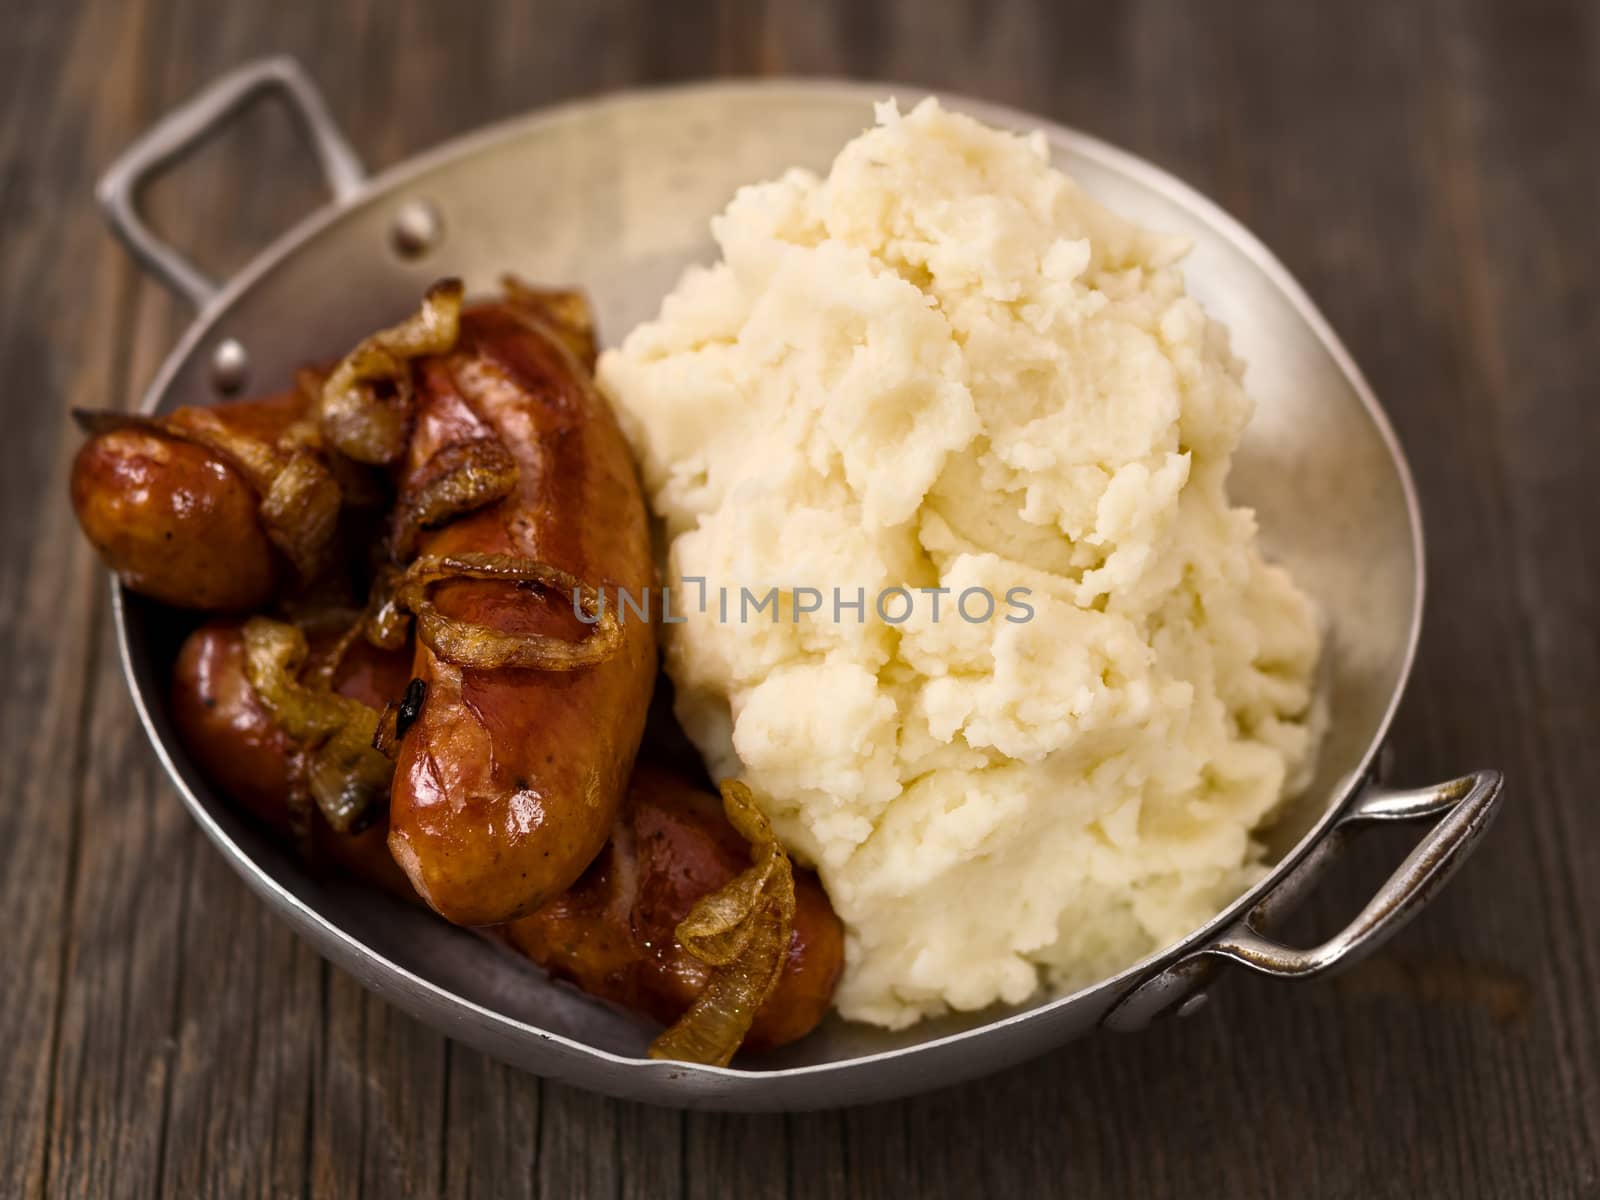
(242,751)
(176,520)
(173,520)
(612,933)
(507,784)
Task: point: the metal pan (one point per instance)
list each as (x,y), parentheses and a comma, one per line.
(615,194)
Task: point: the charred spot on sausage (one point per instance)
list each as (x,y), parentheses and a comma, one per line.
(410,706)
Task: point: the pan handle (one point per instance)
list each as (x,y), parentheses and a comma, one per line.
(1463,809)
(179,132)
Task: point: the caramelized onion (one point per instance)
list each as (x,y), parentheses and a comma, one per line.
(362,486)
(385,624)
(320,621)
(300,512)
(566,312)
(299,498)
(742,931)
(471,474)
(465,644)
(347,778)
(258,461)
(365,404)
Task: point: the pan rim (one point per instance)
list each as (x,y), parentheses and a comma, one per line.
(334,941)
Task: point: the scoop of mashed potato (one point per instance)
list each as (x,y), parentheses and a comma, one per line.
(945,369)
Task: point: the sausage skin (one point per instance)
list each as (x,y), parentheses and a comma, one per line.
(243,752)
(175,520)
(508,782)
(612,933)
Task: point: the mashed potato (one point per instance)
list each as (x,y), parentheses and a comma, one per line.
(945,367)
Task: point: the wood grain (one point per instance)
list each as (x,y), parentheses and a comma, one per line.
(61,342)
(1428,171)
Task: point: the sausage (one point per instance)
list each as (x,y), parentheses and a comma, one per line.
(175,520)
(612,933)
(240,748)
(507,784)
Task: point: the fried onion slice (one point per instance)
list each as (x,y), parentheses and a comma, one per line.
(566,312)
(348,779)
(470,475)
(385,624)
(742,931)
(363,486)
(300,512)
(465,644)
(365,403)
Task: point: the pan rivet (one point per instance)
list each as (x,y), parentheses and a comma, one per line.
(1193,1004)
(230,366)
(417,229)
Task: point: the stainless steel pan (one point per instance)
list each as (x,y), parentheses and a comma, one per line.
(614,194)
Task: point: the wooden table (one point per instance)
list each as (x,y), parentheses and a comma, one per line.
(1429,171)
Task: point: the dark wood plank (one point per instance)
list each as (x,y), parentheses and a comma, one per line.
(60,344)
(186,996)
(1312,123)
(491,1126)
(378,1118)
(819,1155)
(735,1155)
(1530,301)
(1373,257)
